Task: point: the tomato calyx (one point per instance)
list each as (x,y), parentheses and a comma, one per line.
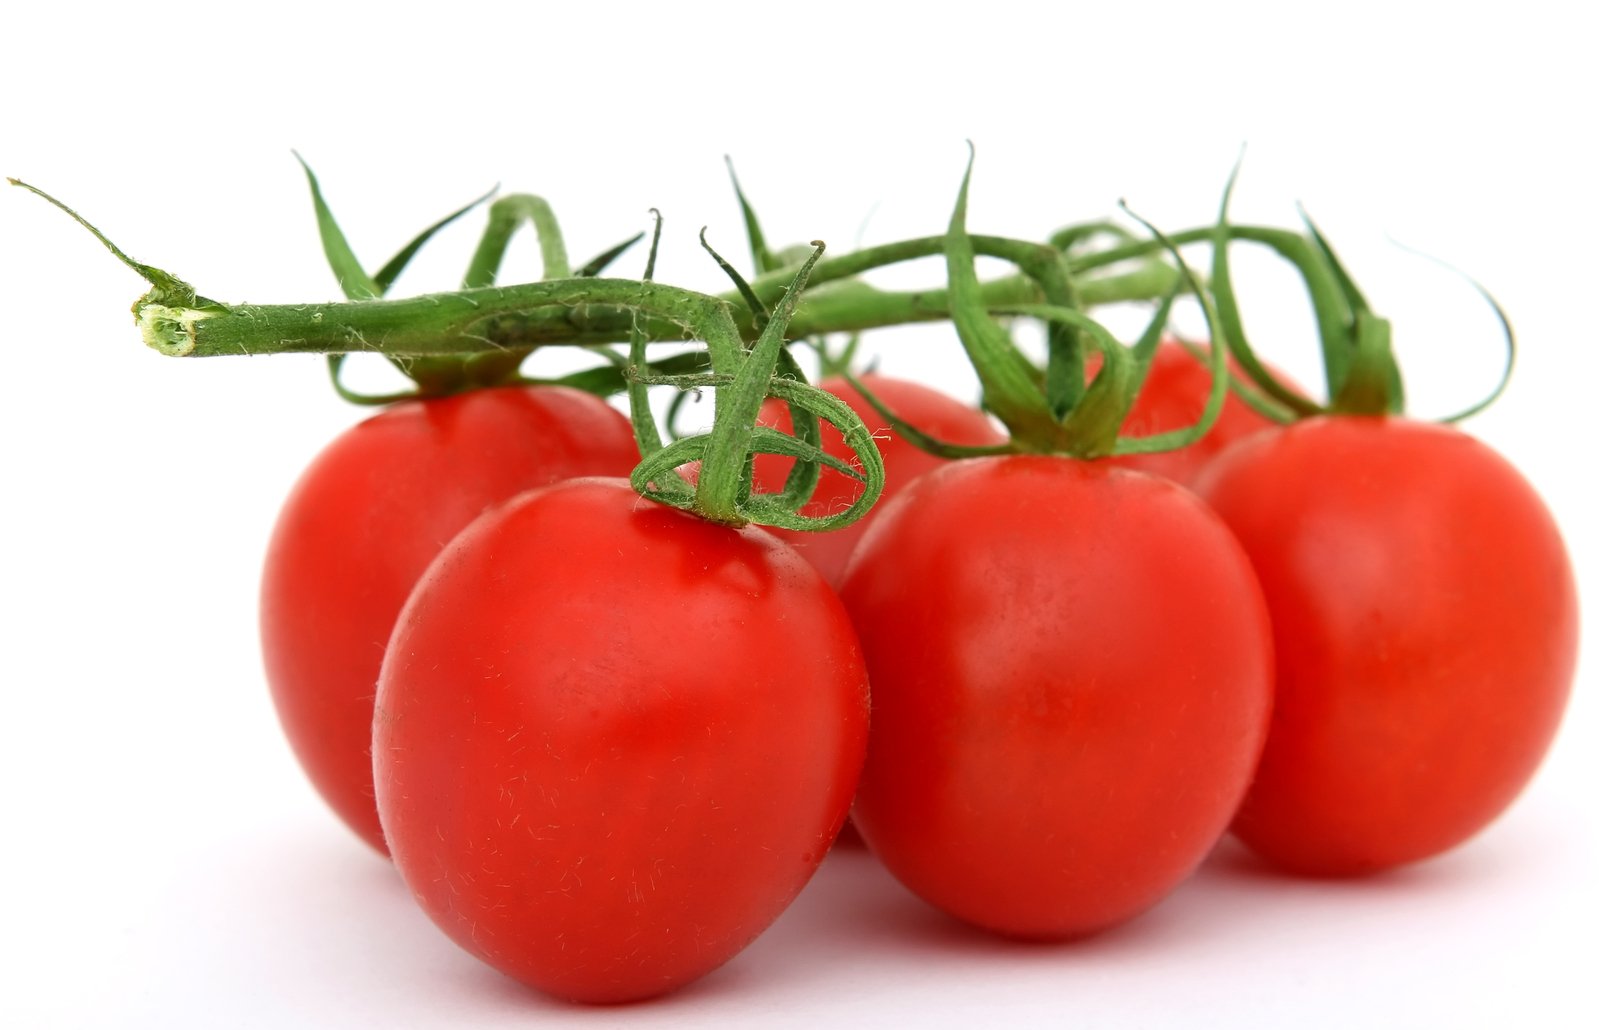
(443,375)
(1060,410)
(1362,373)
(743,379)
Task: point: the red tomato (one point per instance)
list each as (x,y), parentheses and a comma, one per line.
(1173,397)
(363,522)
(1071,681)
(614,740)
(936,414)
(1426,628)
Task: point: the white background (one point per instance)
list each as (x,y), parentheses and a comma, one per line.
(162,861)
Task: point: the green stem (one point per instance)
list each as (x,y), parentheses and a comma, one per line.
(572,311)
(1143,284)
(464,322)
(496,321)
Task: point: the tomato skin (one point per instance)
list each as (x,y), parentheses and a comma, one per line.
(1426,625)
(1071,681)
(1173,397)
(363,522)
(613,740)
(935,413)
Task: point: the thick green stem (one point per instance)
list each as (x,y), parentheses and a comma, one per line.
(574,311)
(464,322)
(497,323)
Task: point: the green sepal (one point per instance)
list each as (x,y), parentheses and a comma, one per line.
(1089,428)
(766,440)
(1504,327)
(1011,387)
(724,492)
(1331,314)
(724,471)
(434,376)
(1369,383)
(391,269)
(1371,378)
(371,400)
(354,282)
(919,438)
(833,361)
(800,483)
(758,313)
(656,475)
(614,378)
(760,253)
(646,433)
(1245,391)
(856,437)
(1144,352)
(602,261)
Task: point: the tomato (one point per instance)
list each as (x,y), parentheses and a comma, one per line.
(1426,630)
(614,740)
(1173,397)
(363,522)
(1071,682)
(939,415)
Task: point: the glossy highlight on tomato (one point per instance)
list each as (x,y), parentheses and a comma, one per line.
(1071,682)
(613,740)
(936,414)
(1426,633)
(362,523)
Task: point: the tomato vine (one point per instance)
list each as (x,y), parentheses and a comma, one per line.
(1029,620)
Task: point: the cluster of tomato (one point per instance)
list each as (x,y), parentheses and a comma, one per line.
(611,740)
